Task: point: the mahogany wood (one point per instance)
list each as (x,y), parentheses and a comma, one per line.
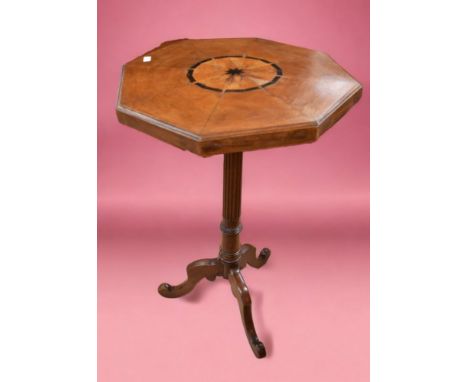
(232,256)
(219,96)
(197,270)
(241,292)
(227,96)
(248,256)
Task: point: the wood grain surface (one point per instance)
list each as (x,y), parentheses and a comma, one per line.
(218,96)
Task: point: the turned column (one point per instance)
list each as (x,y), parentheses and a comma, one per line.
(230,226)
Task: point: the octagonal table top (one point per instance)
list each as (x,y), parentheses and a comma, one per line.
(216,96)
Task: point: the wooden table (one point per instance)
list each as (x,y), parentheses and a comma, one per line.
(227,96)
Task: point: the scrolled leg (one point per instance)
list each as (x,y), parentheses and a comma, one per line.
(248,256)
(241,292)
(197,270)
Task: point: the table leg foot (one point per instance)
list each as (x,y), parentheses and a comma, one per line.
(248,256)
(241,292)
(196,271)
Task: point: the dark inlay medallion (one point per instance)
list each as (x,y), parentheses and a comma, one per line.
(234,73)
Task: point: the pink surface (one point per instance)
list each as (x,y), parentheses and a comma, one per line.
(159,209)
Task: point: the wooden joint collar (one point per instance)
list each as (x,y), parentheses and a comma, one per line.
(230,230)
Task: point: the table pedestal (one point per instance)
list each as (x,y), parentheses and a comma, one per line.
(232,255)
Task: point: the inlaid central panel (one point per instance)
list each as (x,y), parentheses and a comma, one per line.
(234,73)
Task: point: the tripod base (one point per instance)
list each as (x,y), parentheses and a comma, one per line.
(212,268)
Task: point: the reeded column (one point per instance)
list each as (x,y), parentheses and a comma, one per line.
(230,225)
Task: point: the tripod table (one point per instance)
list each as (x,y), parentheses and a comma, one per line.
(227,96)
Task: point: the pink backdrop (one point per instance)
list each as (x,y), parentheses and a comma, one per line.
(159,209)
